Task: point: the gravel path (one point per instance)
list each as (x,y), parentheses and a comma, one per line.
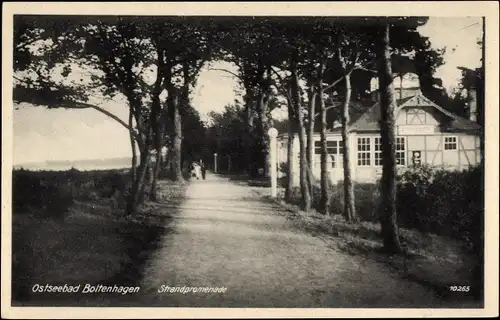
(224,236)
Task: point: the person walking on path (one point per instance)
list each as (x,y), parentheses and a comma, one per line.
(203,169)
(196,170)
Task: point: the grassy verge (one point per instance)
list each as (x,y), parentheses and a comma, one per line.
(434,261)
(91,242)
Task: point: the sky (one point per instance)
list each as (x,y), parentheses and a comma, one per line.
(58,134)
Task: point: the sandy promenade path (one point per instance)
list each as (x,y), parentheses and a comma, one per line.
(225,236)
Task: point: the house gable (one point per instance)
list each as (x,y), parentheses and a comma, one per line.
(420,113)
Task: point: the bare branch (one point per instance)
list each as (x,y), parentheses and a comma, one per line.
(283,90)
(365,69)
(277,74)
(225,70)
(83,105)
(328,108)
(334,83)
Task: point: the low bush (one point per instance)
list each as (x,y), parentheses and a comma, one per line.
(434,200)
(429,200)
(53,192)
(283,167)
(448,203)
(365,199)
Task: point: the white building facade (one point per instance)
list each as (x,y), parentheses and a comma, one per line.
(425,134)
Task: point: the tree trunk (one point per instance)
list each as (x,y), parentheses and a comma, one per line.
(143,181)
(132,143)
(324,205)
(158,134)
(176,140)
(138,184)
(304,190)
(349,207)
(289,158)
(249,159)
(310,139)
(156,174)
(264,125)
(388,214)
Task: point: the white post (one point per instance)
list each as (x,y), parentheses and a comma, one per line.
(295,162)
(215,162)
(273,133)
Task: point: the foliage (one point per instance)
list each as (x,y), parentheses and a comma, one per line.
(431,200)
(445,202)
(53,192)
(226,136)
(194,132)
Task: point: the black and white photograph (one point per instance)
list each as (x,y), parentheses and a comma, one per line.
(205,158)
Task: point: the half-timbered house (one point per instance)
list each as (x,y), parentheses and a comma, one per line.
(426,133)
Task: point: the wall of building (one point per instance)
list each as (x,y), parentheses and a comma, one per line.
(421,142)
(430,149)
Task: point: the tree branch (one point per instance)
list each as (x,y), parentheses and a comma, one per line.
(283,90)
(328,108)
(345,73)
(334,83)
(225,70)
(365,69)
(83,105)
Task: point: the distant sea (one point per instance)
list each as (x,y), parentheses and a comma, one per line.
(82,165)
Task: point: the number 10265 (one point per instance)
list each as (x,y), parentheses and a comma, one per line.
(460,288)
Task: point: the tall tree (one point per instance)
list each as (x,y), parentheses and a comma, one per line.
(186,43)
(291,131)
(297,101)
(54,50)
(312,95)
(250,44)
(349,207)
(320,52)
(388,215)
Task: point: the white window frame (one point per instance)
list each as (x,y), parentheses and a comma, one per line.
(377,154)
(455,142)
(338,152)
(401,151)
(367,142)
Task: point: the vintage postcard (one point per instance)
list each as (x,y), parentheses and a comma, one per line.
(234,160)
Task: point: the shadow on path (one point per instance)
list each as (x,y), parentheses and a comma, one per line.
(247,245)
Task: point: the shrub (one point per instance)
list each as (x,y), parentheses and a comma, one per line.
(41,191)
(53,192)
(445,202)
(283,167)
(364,199)
(448,203)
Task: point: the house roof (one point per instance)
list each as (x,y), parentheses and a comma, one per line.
(369,121)
(365,116)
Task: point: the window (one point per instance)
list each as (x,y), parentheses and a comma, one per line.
(378,151)
(450,143)
(334,150)
(317,147)
(331,147)
(364,152)
(400,151)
